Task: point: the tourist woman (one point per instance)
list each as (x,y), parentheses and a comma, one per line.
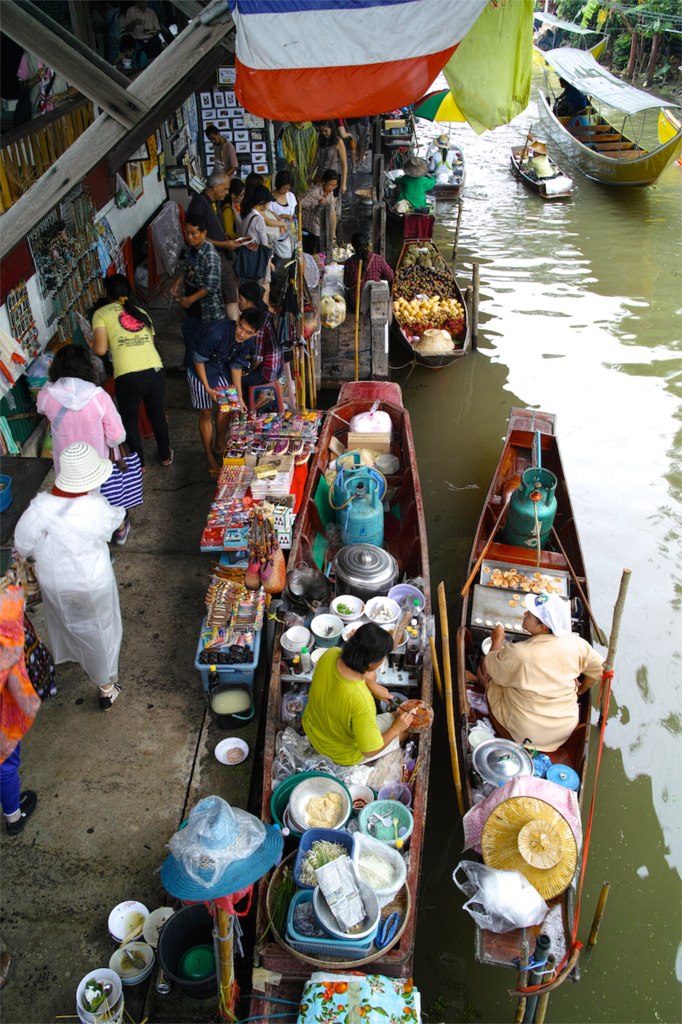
(374,267)
(340,718)
(331,154)
(126,329)
(283,206)
(66,532)
(231,211)
(254,227)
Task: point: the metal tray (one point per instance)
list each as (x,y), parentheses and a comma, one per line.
(490,605)
(559,577)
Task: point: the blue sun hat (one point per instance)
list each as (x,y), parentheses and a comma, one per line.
(222,850)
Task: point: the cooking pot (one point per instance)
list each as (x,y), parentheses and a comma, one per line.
(364,570)
(499,761)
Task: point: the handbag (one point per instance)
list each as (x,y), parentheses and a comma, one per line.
(124,487)
(39,662)
(252,265)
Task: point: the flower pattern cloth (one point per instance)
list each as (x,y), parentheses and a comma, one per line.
(359,999)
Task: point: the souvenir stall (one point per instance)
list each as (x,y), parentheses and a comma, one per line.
(251,136)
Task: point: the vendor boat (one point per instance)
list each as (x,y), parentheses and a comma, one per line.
(503,571)
(601,150)
(422,271)
(558,187)
(405,538)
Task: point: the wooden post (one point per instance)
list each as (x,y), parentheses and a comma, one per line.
(376,136)
(475,285)
(613,640)
(521,978)
(543,998)
(598,914)
(449,708)
(226,994)
(460,204)
(378,175)
(358,288)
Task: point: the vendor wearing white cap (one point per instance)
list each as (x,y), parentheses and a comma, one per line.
(444,159)
(532,686)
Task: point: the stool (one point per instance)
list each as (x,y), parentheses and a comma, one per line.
(274,386)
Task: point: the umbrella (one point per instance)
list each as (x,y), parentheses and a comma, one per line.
(438,106)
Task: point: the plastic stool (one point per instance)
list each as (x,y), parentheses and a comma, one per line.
(274,386)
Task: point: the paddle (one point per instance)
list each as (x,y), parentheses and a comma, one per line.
(511,485)
(601,636)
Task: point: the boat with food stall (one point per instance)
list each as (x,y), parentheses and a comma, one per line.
(430,314)
(528,499)
(601,150)
(360,570)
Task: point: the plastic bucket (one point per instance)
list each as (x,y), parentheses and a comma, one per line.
(233,719)
(192,926)
(402,590)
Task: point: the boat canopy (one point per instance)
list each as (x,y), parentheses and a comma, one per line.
(581,69)
(567,26)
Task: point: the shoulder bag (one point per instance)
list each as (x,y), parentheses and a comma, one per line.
(251,264)
(124,487)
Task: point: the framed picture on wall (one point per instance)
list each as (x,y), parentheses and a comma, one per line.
(242,147)
(134,179)
(238,122)
(245,169)
(258,147)
(206,99)
(218,98)
(230,99)
(227,76)
(260,168)
(257,135)
(241,136)
(162,165)
(176,177)
(208,115)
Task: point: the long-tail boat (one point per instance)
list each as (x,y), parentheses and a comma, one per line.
(505,573)
(405,538)
(421,272)
(520,171)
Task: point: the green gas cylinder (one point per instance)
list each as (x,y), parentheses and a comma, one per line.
(532,509)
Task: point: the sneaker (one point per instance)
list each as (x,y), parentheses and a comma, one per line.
(107,699)
(27,805)
(121,536)
(169,460)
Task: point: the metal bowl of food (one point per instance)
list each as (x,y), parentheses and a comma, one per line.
(320,803)
(364,930)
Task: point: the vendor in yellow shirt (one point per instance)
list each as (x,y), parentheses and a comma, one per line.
(340,719)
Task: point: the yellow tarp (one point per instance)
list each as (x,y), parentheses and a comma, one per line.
(489,73)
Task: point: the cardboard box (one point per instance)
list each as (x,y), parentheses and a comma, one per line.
(375,442)
(395,123)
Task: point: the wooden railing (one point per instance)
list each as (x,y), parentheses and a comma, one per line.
(30,150)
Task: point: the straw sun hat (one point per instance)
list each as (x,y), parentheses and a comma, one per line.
(527,834)
(415,167)
(538,146)
(82,469)
(221,850)
(443,139)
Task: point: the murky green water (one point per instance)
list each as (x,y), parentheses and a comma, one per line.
(580,315)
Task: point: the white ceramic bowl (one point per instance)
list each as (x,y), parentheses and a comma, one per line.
(383,611)
(327,630)
(317,654)
(122,918)
(154,924)
(295,639)
(232,751)
(486,645)
(113,1002)
(128,972)
(352,628)
(355,605)
(361,795)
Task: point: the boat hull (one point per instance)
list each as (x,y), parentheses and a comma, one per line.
(609,170)
(492,948)
(533,184)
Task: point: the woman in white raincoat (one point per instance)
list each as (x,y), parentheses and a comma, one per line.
(66,532)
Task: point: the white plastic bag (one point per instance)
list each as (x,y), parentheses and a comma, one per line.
(499,900)
(372,422)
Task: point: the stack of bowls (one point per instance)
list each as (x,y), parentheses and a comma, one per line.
(327,630)
(294,640)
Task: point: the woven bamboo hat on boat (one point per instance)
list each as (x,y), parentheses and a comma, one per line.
(538,146)
(81,469)
(527,834)
(443,139)
(415,167)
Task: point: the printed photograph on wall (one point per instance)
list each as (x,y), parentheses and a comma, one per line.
(242,136)
(260,168)
(227,76)
(242,147)
(176,177)
(134,178)
(206,100)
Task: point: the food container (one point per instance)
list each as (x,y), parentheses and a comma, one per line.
(376,820)
(498,761)
(154,924)
(423,718)
(348,607)
(563,775)
(325,945)
(125,917)
(317,654)
(351,628)
(128,972)
(382,611)
(361,796)
(327,630)
(232,751)
(486,645)
(364,570)
(479,734)
(316,835)
(111,1009)
(294,640)
(363,845)
(230,706)
(406,590)
(302,794)
(396,791)
(367,928)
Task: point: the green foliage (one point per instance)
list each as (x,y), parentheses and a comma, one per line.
(621,50)
(569,10)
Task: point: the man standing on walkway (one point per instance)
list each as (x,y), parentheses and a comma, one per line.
(224,153)
(208,206)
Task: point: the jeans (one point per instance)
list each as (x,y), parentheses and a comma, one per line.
(9,782)
(146,386)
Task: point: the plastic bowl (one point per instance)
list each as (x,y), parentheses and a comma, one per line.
(367,927)
(369,820)
(396,791)
(361,796)
(232,751)
(383,611)
(327,630)
(403,590)
(355,604)
(128,972)
(154,924)
(317,787)
(122,918)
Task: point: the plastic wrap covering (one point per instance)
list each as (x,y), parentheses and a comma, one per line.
(196,846)
(167,238)
(499,900)
(294,753)
(332,310)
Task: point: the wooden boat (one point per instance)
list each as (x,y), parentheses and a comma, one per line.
(448,191)
(538,185)
(554,23)
(406,539)
(600,149)
(518,454)
(439,281)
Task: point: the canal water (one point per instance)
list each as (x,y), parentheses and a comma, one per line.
(579,315)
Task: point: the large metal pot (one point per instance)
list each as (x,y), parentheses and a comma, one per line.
(364,571)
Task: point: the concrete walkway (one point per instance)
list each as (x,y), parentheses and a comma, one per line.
(113,787)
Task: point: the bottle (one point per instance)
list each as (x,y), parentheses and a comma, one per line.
(306,661)
(212,676)
(412,645)
(296,665)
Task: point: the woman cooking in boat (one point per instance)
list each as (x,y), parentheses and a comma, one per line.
(532,686)
(340,719)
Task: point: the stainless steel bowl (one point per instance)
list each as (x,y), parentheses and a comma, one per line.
(300,798)
(366,926)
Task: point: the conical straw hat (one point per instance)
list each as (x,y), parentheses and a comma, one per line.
(527,834)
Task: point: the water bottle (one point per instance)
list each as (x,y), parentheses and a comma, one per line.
(306,661)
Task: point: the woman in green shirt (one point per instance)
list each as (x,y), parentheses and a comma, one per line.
(340,718)
(415,183)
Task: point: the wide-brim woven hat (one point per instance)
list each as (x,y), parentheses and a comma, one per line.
(539,147)
(220,852)
(552,610)
(443,140)
(415,167)
(527,834)
(82,469)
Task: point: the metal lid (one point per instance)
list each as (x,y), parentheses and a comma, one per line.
(366,565)
(499,760)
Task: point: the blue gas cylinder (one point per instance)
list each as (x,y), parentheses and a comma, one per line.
(361,516)
(349,467)
(532,509)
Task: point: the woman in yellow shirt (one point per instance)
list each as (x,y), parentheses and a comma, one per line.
(125,329)
(340,718)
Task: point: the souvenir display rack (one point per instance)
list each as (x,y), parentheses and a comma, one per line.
(22,322)
(246,132)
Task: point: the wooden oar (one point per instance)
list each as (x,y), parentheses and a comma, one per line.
(436,668)
(512,484)
(449,707)
(357,321)
(601,636)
